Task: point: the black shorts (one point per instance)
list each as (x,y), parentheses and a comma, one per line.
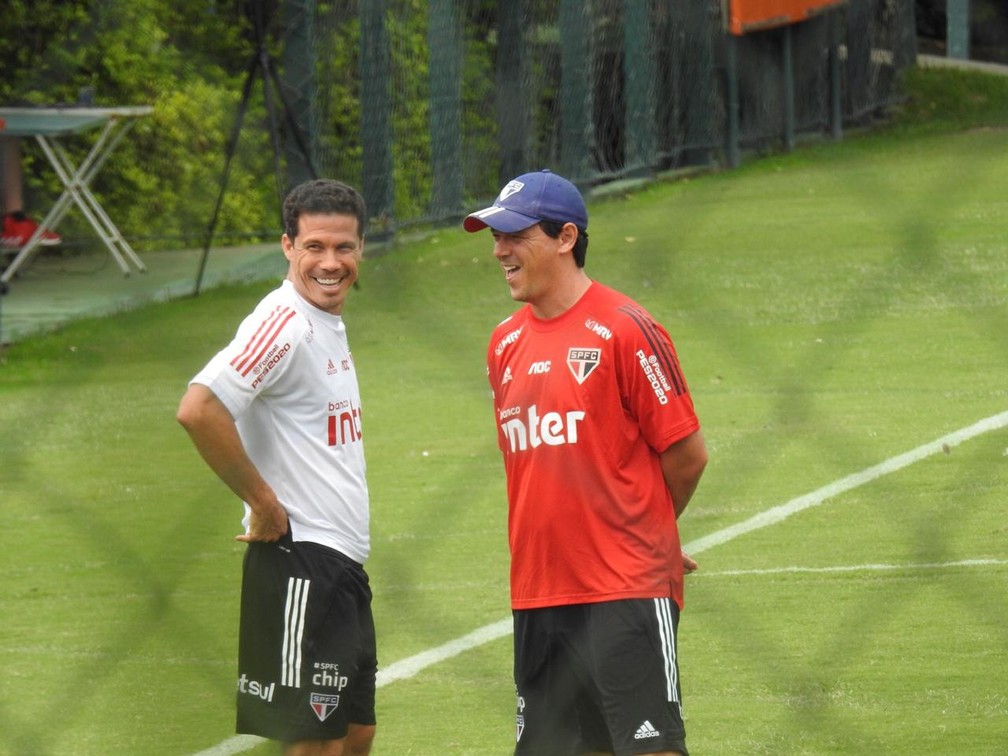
(306,644)
(598,677)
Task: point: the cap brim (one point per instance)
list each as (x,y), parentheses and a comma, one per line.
(499,219)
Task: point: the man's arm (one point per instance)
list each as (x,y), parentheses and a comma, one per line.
(682,465)
(215,436)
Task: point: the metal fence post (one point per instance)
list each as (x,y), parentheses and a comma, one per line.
(444,44)
(512,101)
(576,126)
(640,73)
(376,116)
(958,15)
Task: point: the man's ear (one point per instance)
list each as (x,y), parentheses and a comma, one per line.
(568,235)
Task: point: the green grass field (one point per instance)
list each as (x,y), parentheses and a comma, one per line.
(833,308)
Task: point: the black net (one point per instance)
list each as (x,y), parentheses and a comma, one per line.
(430,106)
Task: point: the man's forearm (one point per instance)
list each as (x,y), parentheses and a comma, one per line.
(682,466)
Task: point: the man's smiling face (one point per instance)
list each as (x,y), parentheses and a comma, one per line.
(536,266)
(324,259)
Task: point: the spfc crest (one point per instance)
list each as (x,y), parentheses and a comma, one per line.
(323,705)
(582,362)
(513,187)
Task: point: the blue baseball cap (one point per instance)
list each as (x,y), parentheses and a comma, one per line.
(528,199)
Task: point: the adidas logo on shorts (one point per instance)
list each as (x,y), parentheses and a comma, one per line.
(646,731)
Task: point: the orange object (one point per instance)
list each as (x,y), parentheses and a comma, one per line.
(746,16)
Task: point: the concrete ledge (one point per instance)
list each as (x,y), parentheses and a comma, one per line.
(938,61)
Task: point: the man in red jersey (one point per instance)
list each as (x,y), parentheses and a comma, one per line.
(602,451)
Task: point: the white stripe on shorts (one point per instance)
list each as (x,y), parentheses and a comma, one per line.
(294,619)
(666,630)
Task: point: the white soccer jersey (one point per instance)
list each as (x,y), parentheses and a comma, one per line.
(288,379)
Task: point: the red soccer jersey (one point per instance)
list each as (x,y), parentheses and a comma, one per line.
(585,402)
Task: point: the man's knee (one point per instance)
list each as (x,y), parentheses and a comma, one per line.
(356,743)
(359,739)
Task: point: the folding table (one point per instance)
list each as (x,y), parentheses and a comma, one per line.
(47,126)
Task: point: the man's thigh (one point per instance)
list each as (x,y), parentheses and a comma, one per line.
(631,650)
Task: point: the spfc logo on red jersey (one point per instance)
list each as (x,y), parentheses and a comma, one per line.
(582,362)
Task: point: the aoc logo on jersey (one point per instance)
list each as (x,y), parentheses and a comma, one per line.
(582,362)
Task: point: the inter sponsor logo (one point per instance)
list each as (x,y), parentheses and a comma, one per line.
(344,427)
(504,414)
(551,428)
(583,361)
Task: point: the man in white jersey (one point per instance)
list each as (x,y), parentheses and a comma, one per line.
(602,452)
(276,415)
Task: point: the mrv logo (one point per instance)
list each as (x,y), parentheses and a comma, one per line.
(552,429)
(254,688)
(511,338)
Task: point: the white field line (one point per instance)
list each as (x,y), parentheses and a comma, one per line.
(912,566)
(783,511)
(410,666)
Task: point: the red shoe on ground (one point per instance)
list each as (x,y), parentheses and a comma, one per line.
(18,229)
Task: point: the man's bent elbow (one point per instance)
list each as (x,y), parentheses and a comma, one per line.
(192,408)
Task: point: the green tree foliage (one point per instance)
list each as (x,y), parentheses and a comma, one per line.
(411,72)
(188,59)
(339,98)
(339,69)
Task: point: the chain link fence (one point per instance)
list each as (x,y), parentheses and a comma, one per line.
(454,97)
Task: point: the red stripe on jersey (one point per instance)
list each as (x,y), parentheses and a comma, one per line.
(239,361)
(660,345)
(267,333)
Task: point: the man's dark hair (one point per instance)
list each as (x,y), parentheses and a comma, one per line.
(322,197)
(552,229)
